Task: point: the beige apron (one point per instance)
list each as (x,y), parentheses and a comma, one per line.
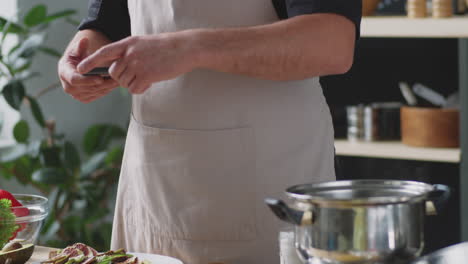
(204,150)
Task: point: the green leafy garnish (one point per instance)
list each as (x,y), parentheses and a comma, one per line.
(77,259)
(7,222)
(109,259)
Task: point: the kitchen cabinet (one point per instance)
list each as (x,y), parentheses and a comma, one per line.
(447,28)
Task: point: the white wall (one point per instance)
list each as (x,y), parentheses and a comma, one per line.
(72,116)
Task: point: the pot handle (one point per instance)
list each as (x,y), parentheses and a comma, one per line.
(437,199)
(287,214)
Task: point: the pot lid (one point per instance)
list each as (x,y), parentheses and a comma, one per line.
(361,192)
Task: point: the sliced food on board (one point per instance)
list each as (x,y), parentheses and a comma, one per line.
(80,253)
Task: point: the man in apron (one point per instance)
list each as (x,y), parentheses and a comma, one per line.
(227,109)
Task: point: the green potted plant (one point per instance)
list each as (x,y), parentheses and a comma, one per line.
(80,185)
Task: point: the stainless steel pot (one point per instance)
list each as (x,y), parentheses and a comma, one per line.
(361,221)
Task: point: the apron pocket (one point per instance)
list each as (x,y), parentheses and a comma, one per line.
(193,184)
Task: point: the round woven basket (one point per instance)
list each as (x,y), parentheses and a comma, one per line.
(369,7)
(430,127)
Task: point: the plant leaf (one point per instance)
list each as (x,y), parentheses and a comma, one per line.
(12,27)
(71,156)
(50,176)
(25,64)
(6,170)
(93,163)
(51,226)
(64,13)
(28,47)
(14,153)
(21,131)
(56,243)
(12,49)
(36,111)
(36,16)
(72,21)
(115,156)
(72,225)
(50,156)
(105,232)
(26,75)
(63,198)
(23,169)
(34,148)
(14,93)
(5,31)
(59,136)
(98,137)
(50,51)
(96,215)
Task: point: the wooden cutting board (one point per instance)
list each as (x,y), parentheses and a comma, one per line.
(40,254)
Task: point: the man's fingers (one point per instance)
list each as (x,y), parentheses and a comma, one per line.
(91,97)
(110,83)
(102,56)
(103,88)
(117,69)
(88,99)
(80,50)
(76,79)
(67,87)
(98,89)
(83,47)
(126,79)
(137,87)
(133,85)
(74,90)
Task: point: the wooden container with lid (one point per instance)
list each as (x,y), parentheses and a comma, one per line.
(442,8)
(369,7)
(430,127)
(416,8)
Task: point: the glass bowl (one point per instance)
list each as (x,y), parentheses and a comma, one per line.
(31,223)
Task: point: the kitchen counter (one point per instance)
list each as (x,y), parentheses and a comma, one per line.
(40,254)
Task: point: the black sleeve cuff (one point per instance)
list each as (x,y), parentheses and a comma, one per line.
(109,17)
(351,9)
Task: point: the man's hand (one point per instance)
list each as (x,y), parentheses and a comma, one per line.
(139,61)
(83,88)
(293,49)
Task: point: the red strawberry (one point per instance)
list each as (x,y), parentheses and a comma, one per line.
(19,212)
(6,195)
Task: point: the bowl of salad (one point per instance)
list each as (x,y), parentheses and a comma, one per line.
(22,217)
(30,214)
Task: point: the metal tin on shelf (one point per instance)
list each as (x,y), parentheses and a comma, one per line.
(371,129)
(377,121)
(384,121)
(355,117)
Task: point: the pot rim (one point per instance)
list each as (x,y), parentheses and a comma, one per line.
(411,191)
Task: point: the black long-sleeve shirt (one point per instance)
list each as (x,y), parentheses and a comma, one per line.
(112,19)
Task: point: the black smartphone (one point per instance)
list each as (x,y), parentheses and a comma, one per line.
(101,71)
